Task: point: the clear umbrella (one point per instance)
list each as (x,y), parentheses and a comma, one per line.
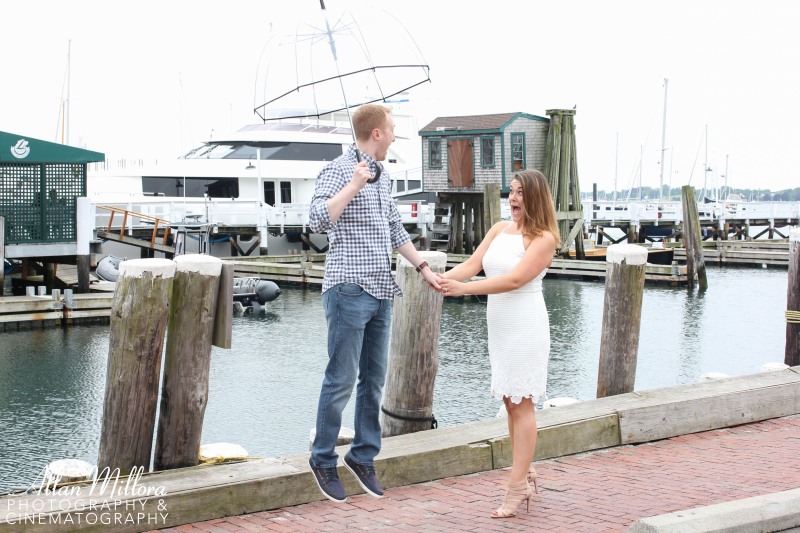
(331,63)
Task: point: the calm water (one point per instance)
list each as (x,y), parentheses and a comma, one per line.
(263,392)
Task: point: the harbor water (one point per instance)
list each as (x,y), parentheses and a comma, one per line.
(263,391)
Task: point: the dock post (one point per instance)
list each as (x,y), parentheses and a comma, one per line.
(2,253)
(491,206)
(187,361)
(413,350)
(85,233)
(139,315)
(695,261)
(792,357)
(622,316)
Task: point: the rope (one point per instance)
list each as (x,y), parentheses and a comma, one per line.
(793,317)
(431,419)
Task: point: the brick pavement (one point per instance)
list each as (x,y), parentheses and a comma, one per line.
(599,491)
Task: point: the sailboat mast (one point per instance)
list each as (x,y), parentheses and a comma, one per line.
(663,141)
(66,114)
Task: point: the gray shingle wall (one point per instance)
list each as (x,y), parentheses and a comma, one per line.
(435,180)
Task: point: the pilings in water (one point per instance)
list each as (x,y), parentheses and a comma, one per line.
(695,262)
(561,170)
(151,297)
(187,361)
(622,316)
(139,315)
(414,350)
(491,208)
(792,354)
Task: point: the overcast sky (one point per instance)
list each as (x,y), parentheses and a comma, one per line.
(151,79)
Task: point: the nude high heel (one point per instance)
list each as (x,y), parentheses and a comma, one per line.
(532,478)
(517,493)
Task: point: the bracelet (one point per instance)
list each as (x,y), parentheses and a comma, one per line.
(421,266)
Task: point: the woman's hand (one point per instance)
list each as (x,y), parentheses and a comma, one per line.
(451,287)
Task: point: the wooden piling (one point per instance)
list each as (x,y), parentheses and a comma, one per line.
(414,350)
(491,206)
(85,231)
(792,355)
(695,262)
(187,361)
(139,314)
(622,314)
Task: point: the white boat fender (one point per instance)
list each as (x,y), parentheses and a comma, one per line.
(346,436)
(221,452)
(769,367)
(714,375)
(558,401)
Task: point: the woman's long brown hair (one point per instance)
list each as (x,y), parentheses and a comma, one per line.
(538,211)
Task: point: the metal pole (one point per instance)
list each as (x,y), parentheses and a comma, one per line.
(663,140)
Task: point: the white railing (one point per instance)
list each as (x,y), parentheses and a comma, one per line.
(223,211)
(641,211)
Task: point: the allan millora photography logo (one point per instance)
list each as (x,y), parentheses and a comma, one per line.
(110,498)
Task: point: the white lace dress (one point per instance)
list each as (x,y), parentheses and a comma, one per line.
(519,328)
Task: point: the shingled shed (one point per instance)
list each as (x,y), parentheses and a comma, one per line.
(466,159)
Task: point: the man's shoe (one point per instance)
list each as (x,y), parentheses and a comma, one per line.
(365,476)
(328,482)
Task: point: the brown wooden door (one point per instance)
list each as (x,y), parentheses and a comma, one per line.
(459,162)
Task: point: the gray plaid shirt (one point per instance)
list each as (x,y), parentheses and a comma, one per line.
(362,240)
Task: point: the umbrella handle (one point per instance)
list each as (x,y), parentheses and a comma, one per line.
(378,167)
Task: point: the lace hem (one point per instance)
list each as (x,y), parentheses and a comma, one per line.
(517,394)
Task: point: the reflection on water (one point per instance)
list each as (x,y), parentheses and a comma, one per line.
(263,392)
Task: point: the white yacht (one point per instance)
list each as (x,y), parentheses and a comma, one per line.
(261,176)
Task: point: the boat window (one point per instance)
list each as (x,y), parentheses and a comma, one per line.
(269,193)
(282,151)
(286,192)
(195,187)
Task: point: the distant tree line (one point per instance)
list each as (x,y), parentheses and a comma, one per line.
(651,193)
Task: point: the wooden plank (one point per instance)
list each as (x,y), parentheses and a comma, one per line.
(690,416)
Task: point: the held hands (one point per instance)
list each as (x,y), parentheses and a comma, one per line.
(451,287)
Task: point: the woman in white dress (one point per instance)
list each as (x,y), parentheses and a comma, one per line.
(515,256)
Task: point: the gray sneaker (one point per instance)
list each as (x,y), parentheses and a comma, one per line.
(328,482)
(365,475)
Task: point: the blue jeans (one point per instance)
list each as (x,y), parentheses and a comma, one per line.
(359,326)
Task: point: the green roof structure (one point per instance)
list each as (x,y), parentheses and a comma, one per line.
(15,148)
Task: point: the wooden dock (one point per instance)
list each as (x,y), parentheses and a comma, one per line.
(199,493)
(742,253)
(28,312)
(309,268)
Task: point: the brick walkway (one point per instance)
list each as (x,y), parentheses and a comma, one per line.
(592,492)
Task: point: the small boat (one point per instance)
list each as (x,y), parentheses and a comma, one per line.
(108,268)
(245,290)
(249,290)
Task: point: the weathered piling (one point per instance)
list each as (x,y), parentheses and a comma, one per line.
(695,262)
(85,230)
(622,314)
(792,356)
(187,361)
(139,314)
(491,206)
(414,350)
